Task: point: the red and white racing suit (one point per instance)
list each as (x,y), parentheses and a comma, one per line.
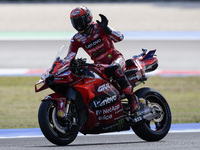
(99,46)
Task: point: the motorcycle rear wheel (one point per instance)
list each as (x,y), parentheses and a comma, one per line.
(158,128)
(56,130)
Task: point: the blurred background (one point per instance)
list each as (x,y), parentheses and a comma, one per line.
(172,27)
(32,31)
(131,15)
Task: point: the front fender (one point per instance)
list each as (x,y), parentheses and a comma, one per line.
(55,97)
(60,101)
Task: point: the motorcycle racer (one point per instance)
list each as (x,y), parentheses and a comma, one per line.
(97,40)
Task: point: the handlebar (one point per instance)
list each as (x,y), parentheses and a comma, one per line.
(78,66)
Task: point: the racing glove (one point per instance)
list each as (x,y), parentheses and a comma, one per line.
(104,24)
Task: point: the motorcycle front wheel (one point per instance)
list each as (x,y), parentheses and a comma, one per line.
(157,128)
(59,131)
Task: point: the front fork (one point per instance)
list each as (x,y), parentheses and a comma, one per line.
(70,95)
(68,102)
(62,110)
(63,101)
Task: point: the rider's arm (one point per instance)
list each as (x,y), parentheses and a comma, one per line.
(74,46)
(116,36)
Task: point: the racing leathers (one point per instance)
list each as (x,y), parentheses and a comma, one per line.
(99,46)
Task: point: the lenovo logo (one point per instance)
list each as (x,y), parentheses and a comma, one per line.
(93,43)
(106,101)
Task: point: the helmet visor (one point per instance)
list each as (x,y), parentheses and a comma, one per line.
(79,23)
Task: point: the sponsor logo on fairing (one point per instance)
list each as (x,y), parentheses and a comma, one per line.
(104,87)
(137,119)
(111,109)
(106,101)
(105,117)
(108,110)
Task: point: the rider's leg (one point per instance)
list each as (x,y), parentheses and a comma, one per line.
(116,72)
(132,99)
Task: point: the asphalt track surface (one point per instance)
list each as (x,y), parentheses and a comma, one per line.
(174,141)
(38,54)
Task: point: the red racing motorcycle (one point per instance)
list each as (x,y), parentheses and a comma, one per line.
(86,101)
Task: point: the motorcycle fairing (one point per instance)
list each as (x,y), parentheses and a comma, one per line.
(40,85)
(149,54)
(108,119)
(150,62)
(93,87)
(103,101)
(135,71)
(86,88)
(116,126)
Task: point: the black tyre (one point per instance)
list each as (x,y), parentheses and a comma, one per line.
(58,131)
(158,128)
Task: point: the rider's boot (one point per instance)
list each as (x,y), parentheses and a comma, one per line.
(132,99)
(133,103)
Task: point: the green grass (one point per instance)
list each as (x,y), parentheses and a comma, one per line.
(182,94)
(19,103)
